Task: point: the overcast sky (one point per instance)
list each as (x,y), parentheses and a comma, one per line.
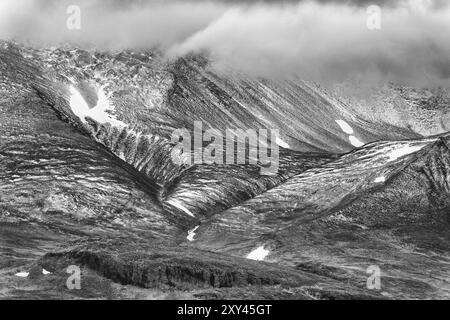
(322,40)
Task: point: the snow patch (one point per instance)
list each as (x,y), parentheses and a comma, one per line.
(101,113)
(355,141)
(281,143)
(77,103)
(345,126)
(258,254)
(380,179)
(398,153)
(349,130)
(177,204)
(22,274)
(191,234)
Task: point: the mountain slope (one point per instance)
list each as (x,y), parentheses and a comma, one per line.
(87,178)
(386,205)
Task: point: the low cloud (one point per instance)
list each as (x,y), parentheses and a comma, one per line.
(330,43)
(324,41)
(106,23)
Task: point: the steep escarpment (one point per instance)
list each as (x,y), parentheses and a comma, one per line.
(204,273)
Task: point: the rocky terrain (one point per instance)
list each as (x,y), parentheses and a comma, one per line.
(87,179)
